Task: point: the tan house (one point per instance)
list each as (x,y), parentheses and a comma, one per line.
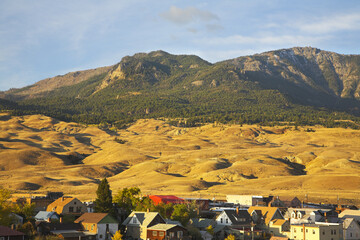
(279,227)
(100,224)
(67,205)
(137,224)
(264,215)
(317,231)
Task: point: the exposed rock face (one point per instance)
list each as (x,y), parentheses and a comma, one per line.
(309,68)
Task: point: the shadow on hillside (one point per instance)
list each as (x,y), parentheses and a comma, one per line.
(294,168)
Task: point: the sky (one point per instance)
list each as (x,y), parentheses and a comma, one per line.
(42,38)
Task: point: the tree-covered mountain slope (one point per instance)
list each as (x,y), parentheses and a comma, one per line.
(303,85)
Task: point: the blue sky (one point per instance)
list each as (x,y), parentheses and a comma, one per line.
(42,38)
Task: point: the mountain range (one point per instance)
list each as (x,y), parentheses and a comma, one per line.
(300,84)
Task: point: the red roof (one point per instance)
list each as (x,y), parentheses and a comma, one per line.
(157,199)
(5,231)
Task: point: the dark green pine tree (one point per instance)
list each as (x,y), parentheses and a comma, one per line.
(103,202)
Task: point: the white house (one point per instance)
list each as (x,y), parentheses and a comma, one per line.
(244,200)
(351,229)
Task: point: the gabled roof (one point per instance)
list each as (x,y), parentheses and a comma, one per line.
(95,218)
(348,221)
(163,227)
(145,218)
(201,222)
(59,204)
(237,216)
(266,212)
(5,231)
(44,215)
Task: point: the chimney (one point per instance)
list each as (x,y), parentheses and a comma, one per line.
(326,220)
(61,219)
(49,220)
(237,210)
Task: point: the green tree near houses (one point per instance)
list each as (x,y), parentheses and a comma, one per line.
(103,202)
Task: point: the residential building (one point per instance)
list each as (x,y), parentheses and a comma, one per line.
(245,200)
(47,216)
(235,218)
(9,234)
(279,227)
(67,205)
(316,231)
(137,223)
(166,231)
(264,215)
(101,224)
(351,229)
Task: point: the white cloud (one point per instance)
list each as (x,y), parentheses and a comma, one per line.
(187,15)
(331,24)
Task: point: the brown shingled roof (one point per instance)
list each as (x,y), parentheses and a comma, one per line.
(5,231)
(91,217)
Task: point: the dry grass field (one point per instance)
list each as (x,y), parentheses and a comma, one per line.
(40,154)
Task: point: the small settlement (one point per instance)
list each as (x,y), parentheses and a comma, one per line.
(243,216)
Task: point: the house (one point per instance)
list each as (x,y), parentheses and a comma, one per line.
(169,231)
(303,215)
(9,234)
(67,205)
(279,227)
(44,228)
(264,215)
(294,203)
(202,223)
(137,223)
(47,216)
(165,199)
(245,200)
(318,231)
(351,229)
(101,224)
(234,218)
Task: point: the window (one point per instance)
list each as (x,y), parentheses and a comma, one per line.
(161,234)
(350,234)
(92,227)
(100,236)
(179,234)
(78,209)
(334,232)
(331,232)
(154,233)
(313,231)
(302,230)
(294,230)
(306,230)
(75,203)
(323,232)
(172,234)
(134,220)
(227,220)
(71,209)
(221,220)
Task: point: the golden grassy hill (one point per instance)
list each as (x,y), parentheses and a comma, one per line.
(40,154)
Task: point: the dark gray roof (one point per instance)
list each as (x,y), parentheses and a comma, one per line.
(238,217)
